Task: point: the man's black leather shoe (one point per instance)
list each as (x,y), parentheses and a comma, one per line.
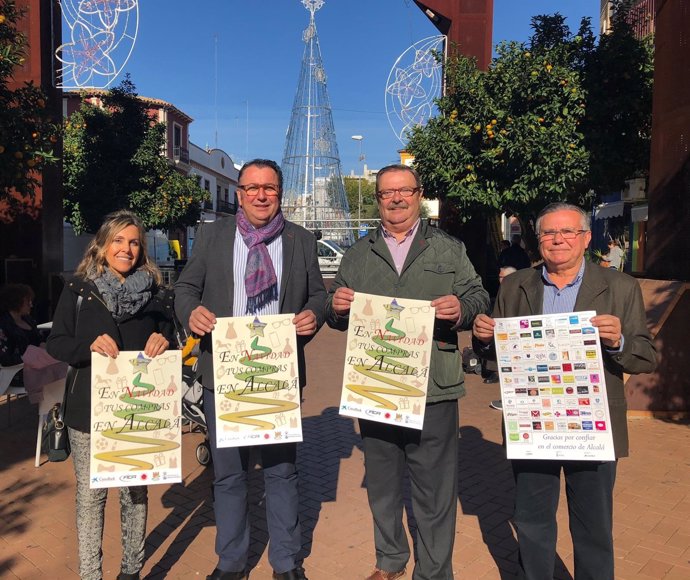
(294,574)
(221,575)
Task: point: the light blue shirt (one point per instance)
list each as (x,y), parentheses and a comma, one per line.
(558,300)
(275,251)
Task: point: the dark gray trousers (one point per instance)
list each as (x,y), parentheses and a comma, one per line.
(431,457)
(589,490)
(230,500)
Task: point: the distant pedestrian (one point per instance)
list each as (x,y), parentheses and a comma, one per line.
(515,255)
(615,256)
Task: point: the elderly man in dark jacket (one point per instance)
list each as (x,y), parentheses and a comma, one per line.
(568,283)
(407,258)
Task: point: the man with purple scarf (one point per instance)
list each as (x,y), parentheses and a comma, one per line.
(253,263)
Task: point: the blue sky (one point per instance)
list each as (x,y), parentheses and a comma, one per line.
(259,51)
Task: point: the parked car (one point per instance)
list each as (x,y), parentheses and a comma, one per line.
(330,255)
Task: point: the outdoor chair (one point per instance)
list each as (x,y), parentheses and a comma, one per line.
(7,388)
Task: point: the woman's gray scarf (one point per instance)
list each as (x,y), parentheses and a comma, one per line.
(128,297)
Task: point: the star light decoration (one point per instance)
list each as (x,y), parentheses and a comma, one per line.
(414,82)
(394,309)
(256,327)
(140,364)
(312,5)
(102,34)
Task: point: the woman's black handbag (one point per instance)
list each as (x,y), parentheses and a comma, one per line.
(54,438)
(54,441)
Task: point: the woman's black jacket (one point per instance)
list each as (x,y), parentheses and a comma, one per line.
(69,339)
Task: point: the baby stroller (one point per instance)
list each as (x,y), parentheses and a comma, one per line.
(193,400)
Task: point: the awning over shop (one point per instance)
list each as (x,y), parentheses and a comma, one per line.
(639,213)
(608,210)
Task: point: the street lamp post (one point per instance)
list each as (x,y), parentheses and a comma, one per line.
(359,138)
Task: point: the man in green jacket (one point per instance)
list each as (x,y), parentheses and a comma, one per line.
(407,258)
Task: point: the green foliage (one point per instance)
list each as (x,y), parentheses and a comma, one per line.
(27,135)
(370,208)
(113,160)
(508,140)
(555,119)
(618,123)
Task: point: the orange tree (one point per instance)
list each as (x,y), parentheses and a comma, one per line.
(27,135)
(509,139)
(559,118)
(113,160)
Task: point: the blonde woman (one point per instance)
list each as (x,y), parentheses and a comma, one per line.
(122,307)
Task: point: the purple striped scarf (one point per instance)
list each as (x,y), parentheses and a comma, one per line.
(260,280)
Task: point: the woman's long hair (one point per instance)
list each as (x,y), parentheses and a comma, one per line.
(94,263)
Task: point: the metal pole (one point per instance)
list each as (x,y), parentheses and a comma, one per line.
(359,138)
(359,205)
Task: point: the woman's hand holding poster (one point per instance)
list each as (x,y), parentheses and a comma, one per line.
(135,419)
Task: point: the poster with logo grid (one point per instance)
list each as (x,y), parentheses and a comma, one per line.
(256,380)
(553,389)
(136,430)
(387,360)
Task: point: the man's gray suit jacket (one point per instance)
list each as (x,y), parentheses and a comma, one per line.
(208,279)
(605,291)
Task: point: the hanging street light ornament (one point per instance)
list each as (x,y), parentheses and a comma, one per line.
(312,5)
(100,39)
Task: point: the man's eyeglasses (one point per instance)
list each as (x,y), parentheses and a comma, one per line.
(252,189)
(566,234)
(403,191)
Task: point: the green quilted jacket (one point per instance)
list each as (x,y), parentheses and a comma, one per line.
(436,265)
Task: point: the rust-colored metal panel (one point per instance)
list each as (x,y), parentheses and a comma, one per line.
(468,23)
(39,237)
(667,390)
(668,242)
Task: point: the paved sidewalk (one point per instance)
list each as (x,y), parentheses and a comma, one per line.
(37,528)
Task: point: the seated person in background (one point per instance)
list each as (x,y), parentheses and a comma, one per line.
(17,328)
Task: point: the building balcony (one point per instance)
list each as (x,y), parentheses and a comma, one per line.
(225,207)
(181,155)
(208,204)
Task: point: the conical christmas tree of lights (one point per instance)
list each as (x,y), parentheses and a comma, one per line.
(313,190)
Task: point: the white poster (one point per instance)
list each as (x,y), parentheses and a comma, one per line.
(136,419)
(553,389)
(256,380)
(387,360)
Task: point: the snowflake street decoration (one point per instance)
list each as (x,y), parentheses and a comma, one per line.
(415,81)
(101,36)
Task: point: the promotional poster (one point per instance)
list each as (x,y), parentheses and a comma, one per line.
(387,360)
(553,388)
(256,380)
(136,419)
